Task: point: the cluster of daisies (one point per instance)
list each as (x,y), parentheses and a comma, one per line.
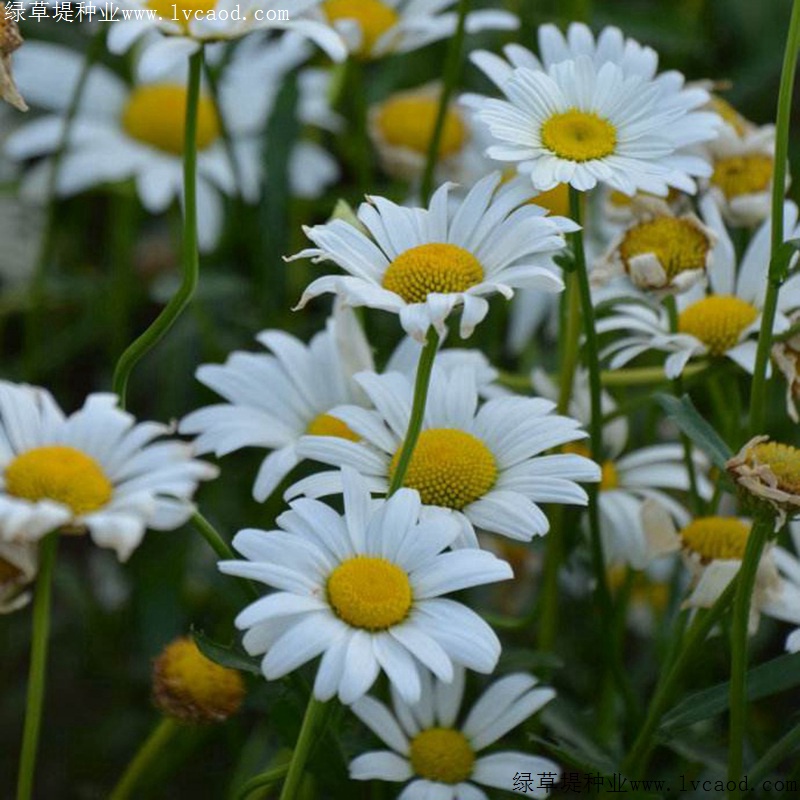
(406,475)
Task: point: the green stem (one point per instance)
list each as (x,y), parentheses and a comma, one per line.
(36,674)
(572,336)
(639,754)
(776,274)
(149,753)
(305,740)
(452,67)
(264,779)
(762,527)
(421,384)
(191,266)
(361,150)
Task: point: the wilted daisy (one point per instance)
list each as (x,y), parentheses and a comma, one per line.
(718,322)
(378,28)
(10,40)
(483,464)
(441,757)
(659,251)
(95,470)
(273,399)
(123,132)
(188,24)
(786,355)
(582,123)
(364,590)
(424,263)
(19,564)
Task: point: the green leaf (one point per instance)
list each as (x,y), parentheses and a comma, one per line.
(778,675)
(231,656)
(690,421)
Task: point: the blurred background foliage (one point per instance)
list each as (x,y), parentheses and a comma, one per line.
(108,268)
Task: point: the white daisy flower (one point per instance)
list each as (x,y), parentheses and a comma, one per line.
(783,601)
(629,479)
(482,464)
(377,28)
(423,263)
(580,123)
(364,590)
(126,132)
(304,382)
(440,757)
(19,563)
(95,470)
(718,321)
(187,24)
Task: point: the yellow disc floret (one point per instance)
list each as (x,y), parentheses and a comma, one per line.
(716,537)
(370,592)
(327,425)
(192,688)
(449,468)
(62,474)
(717,321)
(155,114)
(729,114)
(408,121)
(740,175)
(678,244)
(165,10)
(783,461)
(443,755)
(555,200)
(579,135)
(374,18)
(430,269)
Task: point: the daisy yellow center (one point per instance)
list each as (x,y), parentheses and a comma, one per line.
(327,425)
(155,114)
(62,474)
(610,477)
(717,321)
(783,460)
(449,468)
(555,200)
(677,244)
(164,8)
(443,755)
(579,135)
(716,537)
(407,121)
(728,113)
(374,18)
(739,175)
(370,592)
(193,688)
(430,269)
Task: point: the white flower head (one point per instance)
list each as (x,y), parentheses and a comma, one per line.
(439,756)
(581,123)
(783,599)
(272,399)
(374,29)
(423,263)
(483,464)
(365,591)
(19,564)
(95,470)
(168,41)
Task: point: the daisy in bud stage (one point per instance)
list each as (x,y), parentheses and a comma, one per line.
(18,567)
(378,28)
(719,320)
(95,470)
(423,263)
(365,591)
(187,25)
(483,464)
(304,383)
(440,757)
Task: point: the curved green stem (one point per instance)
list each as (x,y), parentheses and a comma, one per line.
(36,674)
(149,753)
(308,733)
(264,779)
(451,69)
(762,528)
(777,268)
(637,758)
(421,384)
(191,267)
